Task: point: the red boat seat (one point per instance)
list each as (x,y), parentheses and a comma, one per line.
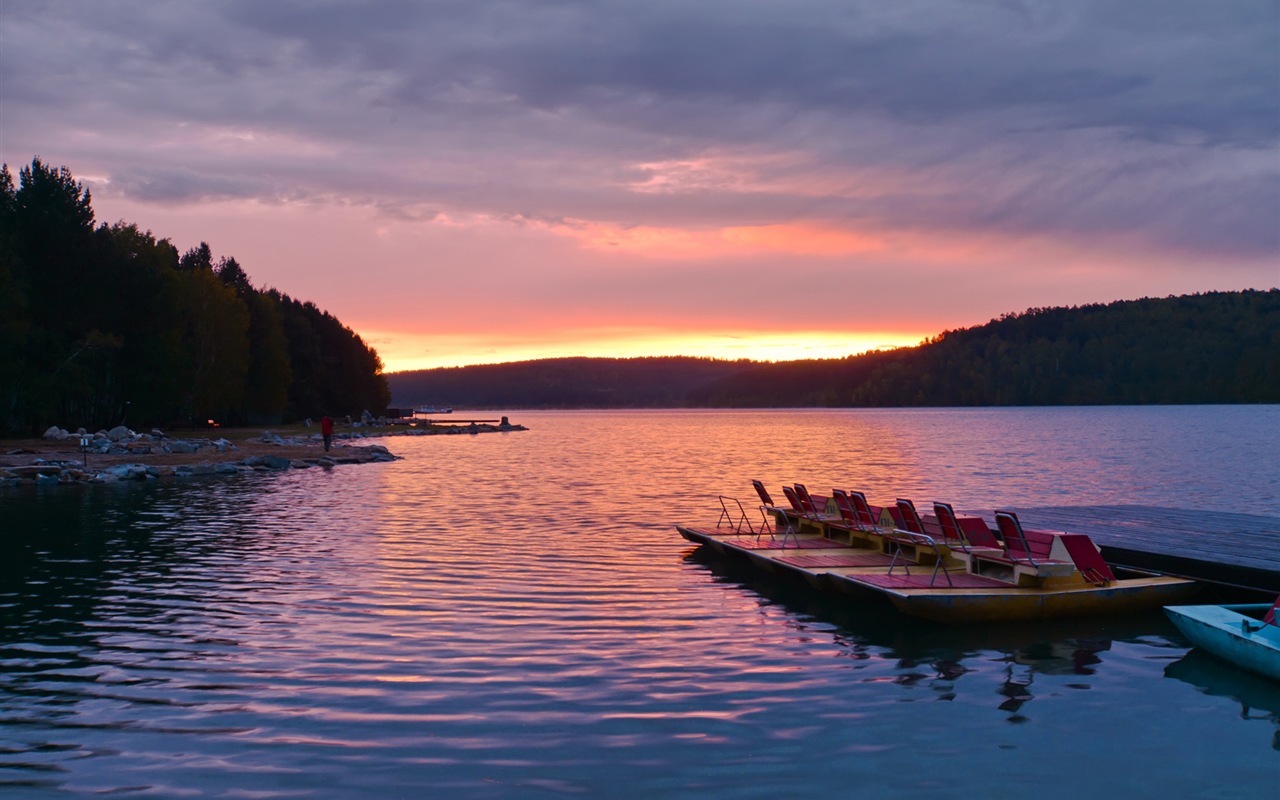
(1087,558)
(794,500)
(848,518)
(910,519)
(1036,547)
(862,509)
(1022,546)
(1032,544)
(972,533)
(814,508)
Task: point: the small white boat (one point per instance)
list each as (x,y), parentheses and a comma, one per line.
(1247,635)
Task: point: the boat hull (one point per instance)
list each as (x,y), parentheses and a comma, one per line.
(1124,596)
(1232,634)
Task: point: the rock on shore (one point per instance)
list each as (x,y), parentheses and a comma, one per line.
(64,457)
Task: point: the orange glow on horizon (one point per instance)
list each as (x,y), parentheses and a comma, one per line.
(403,351)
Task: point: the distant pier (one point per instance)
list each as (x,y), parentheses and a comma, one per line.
(425,425)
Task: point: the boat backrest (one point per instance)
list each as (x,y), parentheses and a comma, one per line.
(910,519)
(806,500)
(794,500)
(1015,538)
(862,510)
(975,535)
(1086,557)
(763,492)
(947,522)
(843,505)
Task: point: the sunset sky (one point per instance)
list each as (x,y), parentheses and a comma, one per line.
(475,182)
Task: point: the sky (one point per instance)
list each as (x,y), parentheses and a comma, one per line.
(478,182)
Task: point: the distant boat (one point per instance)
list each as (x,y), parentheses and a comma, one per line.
(1247,635)
(428,410)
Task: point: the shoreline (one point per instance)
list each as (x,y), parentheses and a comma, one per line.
(155,456)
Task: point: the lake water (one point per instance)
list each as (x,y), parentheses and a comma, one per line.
(514,615)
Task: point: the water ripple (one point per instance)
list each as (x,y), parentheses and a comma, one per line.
(513,615)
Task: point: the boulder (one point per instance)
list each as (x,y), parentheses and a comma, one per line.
(56,434)
(126,472)
(181,446)
(119,433)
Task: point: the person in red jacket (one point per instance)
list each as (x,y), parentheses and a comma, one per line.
(326,430)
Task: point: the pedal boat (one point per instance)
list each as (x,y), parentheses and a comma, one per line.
(1246,635)
(1042,575)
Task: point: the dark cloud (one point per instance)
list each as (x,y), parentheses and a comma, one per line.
(185,185)
(1092,118)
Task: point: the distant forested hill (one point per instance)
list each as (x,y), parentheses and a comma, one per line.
(1219,347)
(563,383)
(107,325)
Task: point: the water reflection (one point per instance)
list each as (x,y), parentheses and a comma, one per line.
(515,615)
(941,655)
(1258,697)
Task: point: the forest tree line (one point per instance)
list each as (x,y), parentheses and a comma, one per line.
(652,382)
(104,325)
(1217,347)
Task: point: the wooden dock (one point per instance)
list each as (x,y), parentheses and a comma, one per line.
(1221,547)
